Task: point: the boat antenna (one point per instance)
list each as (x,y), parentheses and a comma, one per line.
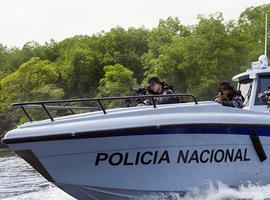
(265,42)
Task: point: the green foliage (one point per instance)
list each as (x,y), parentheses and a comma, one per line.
(251,28)
(193,59)
(159,38)
(126,48)
(118,81)
(34,80)
(80,71)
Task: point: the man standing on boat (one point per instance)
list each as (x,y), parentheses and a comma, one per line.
(228,96)
(156,87)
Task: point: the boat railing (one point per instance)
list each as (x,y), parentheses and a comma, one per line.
(44,104)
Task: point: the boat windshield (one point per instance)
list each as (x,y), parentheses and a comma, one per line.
(263,85)
(245,88)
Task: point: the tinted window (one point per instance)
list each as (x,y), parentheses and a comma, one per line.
(245,88)
(263,84)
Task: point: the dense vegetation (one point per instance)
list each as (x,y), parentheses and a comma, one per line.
(192,58)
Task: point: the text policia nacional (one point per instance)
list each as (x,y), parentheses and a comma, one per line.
(167,157)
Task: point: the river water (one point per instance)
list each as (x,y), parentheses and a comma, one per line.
(19,181)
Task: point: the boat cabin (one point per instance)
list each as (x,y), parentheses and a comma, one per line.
(254,81)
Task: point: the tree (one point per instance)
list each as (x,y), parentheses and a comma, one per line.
(117,81)
(81,72)
(158,39)
(3,60)
(125,47)
(34,80)
(251,27)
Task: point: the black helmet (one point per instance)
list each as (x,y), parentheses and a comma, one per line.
(225,86)
(154,80)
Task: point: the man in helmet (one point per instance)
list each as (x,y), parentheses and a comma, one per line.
(228,96)
(156,87)
(265,96)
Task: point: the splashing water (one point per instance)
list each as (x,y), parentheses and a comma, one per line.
(219,191)
(19,181)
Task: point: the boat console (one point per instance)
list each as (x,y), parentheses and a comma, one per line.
(254,81)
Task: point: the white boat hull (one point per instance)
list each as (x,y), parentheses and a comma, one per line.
(124,165)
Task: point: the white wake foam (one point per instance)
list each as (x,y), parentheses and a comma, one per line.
(219,191)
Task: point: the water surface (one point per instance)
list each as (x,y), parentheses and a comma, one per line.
(19,181)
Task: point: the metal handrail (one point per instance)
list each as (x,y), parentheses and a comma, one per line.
(98,100)
(62,107)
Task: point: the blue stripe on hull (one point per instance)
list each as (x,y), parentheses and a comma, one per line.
(237,131)
(260,130)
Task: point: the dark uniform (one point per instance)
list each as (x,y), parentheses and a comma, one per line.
(164,90)
(166,100)
(264,96)
(228,96)
(234,100)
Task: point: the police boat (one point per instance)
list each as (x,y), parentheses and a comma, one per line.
(125,153)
